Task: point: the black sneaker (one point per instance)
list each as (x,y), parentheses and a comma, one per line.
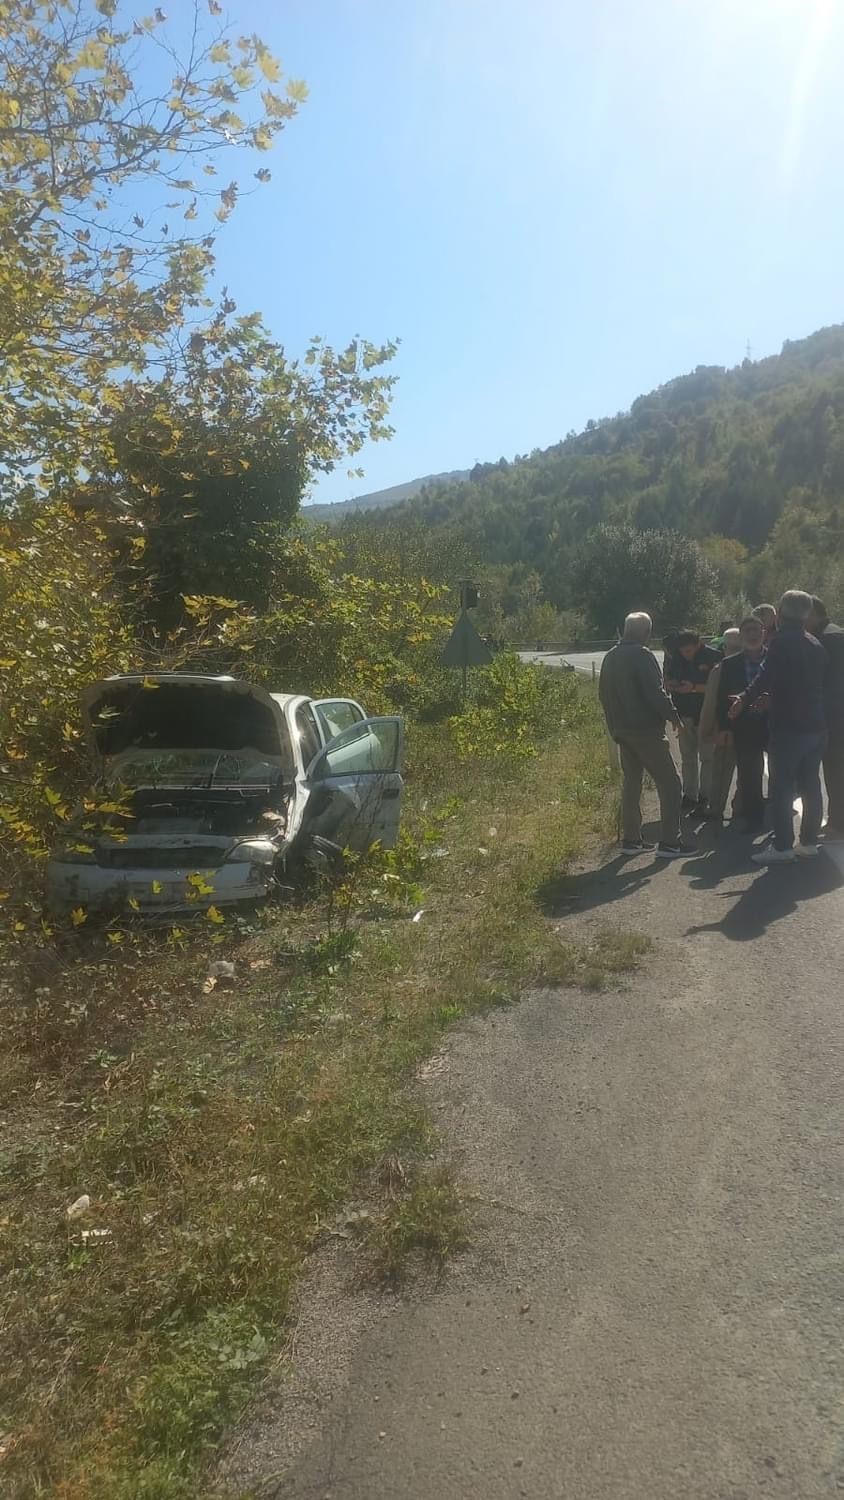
(701,805)
(672,851)
(636,846)
(689,804)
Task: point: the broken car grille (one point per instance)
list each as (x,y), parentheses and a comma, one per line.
(191,857)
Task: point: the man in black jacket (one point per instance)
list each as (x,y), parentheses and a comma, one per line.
(831,638)
(686,677)
(793,677)
(749,733)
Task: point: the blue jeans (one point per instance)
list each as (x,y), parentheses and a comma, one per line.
(794,762)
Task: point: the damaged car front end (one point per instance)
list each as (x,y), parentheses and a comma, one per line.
(211,787)
(199,779)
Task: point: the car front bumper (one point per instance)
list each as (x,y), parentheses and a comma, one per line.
(157,892)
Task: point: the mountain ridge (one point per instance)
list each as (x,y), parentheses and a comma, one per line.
(746,461)
(337,510)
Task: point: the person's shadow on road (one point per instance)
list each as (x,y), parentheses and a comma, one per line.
(588,889)
(775,893)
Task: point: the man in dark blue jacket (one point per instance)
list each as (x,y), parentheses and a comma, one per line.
(793,676)
(831,638)
(748,734)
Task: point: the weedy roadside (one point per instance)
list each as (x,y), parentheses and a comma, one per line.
(217,1128)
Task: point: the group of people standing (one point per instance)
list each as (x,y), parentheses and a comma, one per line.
(773,685)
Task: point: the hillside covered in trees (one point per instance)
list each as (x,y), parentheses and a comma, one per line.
(748,463)
(378,499)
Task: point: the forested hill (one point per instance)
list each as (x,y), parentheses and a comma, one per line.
(714,454)
(378,499)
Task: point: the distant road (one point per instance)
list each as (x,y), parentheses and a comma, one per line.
(582,661)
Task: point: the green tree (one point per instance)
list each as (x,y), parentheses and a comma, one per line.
(61,627)
(110,138)
(805,550)
(207,465)
(618,570)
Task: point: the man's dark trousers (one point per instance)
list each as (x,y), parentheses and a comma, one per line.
(833,775)
(750,768)
(794,759)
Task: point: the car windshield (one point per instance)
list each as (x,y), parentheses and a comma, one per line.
(198,768)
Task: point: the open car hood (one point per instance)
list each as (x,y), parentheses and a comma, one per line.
(129,718)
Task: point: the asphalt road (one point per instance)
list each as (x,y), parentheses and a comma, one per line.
(582,661)
(652,1310)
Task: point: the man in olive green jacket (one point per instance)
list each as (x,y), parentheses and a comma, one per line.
(637,708)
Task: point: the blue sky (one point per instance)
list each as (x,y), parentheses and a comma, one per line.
(555,205)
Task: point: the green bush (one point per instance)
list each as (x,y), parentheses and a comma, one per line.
(512,709)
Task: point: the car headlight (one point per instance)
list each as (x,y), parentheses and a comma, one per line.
(252,852)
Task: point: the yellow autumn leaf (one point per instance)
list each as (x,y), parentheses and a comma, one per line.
(78,916)
(92,55)
(150,686)
(269,65)
(135,905)
(157,888)
(214,915)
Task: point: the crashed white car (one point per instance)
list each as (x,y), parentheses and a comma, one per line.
(225,785)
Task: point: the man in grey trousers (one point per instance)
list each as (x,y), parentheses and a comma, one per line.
(637,707)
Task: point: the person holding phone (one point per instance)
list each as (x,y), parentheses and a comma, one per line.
(687,675)
(748,734)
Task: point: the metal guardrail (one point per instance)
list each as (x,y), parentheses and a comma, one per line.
(571,648)
(559,648)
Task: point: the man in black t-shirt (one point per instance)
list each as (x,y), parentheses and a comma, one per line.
(686,678)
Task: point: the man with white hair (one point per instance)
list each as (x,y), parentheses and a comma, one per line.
(636,707)
(793,676)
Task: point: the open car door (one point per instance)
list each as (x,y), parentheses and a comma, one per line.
(355,786)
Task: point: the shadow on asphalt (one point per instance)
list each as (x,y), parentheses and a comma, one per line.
(776,891)
(719,859)
(593,888)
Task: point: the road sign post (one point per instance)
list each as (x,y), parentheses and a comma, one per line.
(464,647)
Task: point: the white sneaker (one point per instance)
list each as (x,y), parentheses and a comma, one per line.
(774,856)
(806,851)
